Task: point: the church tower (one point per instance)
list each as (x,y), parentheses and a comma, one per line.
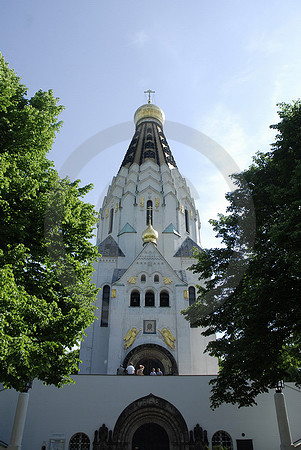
(148,226)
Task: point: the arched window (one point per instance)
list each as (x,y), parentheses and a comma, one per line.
(135,298)
(111,221)
(149,212)
(191,293)
(164,298)
(186,220)
(156,279)
(143,278)
(105,306)
(149,298)
(222,439)
(79,441)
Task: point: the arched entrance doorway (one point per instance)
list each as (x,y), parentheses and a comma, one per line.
(152,355)
(154,417)
(150,364)
(150,436)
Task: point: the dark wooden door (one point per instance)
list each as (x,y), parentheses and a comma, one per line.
(150,436)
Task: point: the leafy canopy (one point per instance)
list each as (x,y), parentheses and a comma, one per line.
(252,287)
(46,296)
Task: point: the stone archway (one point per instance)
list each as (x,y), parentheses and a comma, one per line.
(153,352)
(150,436)
(151,410)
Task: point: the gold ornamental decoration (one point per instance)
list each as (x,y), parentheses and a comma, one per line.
(113,293)
(157,202)
(185,293)
(142,201)
(168,337)
(130,337)
(167,280)
(132,280)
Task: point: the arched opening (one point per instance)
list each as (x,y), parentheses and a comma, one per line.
(105,306)
(135,298)
(150,364)
(79,441)
(155,417)
(152,355)
(150,436)
(143,278)
(149,298)
(222,439)
(164,299)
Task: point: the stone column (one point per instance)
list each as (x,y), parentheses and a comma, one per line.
(283,425)
(19,422)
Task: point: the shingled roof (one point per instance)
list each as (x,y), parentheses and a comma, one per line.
(109,247)
(185,249)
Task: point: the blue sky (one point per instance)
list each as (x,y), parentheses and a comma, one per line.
(217,66)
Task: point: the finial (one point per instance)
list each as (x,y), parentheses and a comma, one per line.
(150,235)
(149,92)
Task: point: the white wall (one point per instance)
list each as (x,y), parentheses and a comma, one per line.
(96,399)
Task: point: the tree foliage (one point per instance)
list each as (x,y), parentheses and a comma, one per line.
(252,287)
(46,296)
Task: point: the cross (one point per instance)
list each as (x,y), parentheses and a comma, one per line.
(149,92)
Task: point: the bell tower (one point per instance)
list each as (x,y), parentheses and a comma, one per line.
(148,226)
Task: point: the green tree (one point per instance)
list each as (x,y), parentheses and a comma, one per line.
(46,296)
(252,287)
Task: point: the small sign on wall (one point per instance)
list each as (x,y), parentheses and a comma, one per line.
(57,444)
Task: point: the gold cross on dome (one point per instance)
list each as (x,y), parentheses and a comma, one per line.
(149,92)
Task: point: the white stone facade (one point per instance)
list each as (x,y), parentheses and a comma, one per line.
(144,285)
(153,190)
(55,415)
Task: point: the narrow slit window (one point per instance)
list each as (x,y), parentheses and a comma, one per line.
(186,221)
(192,298)
(149,212)
(111,221)
(105,306)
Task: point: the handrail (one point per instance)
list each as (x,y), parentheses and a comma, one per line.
(297,443)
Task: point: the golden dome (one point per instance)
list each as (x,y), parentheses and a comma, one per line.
(147,112)
(150,235)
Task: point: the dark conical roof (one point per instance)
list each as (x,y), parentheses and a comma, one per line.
(186,248)
(109,247)
(149,141)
